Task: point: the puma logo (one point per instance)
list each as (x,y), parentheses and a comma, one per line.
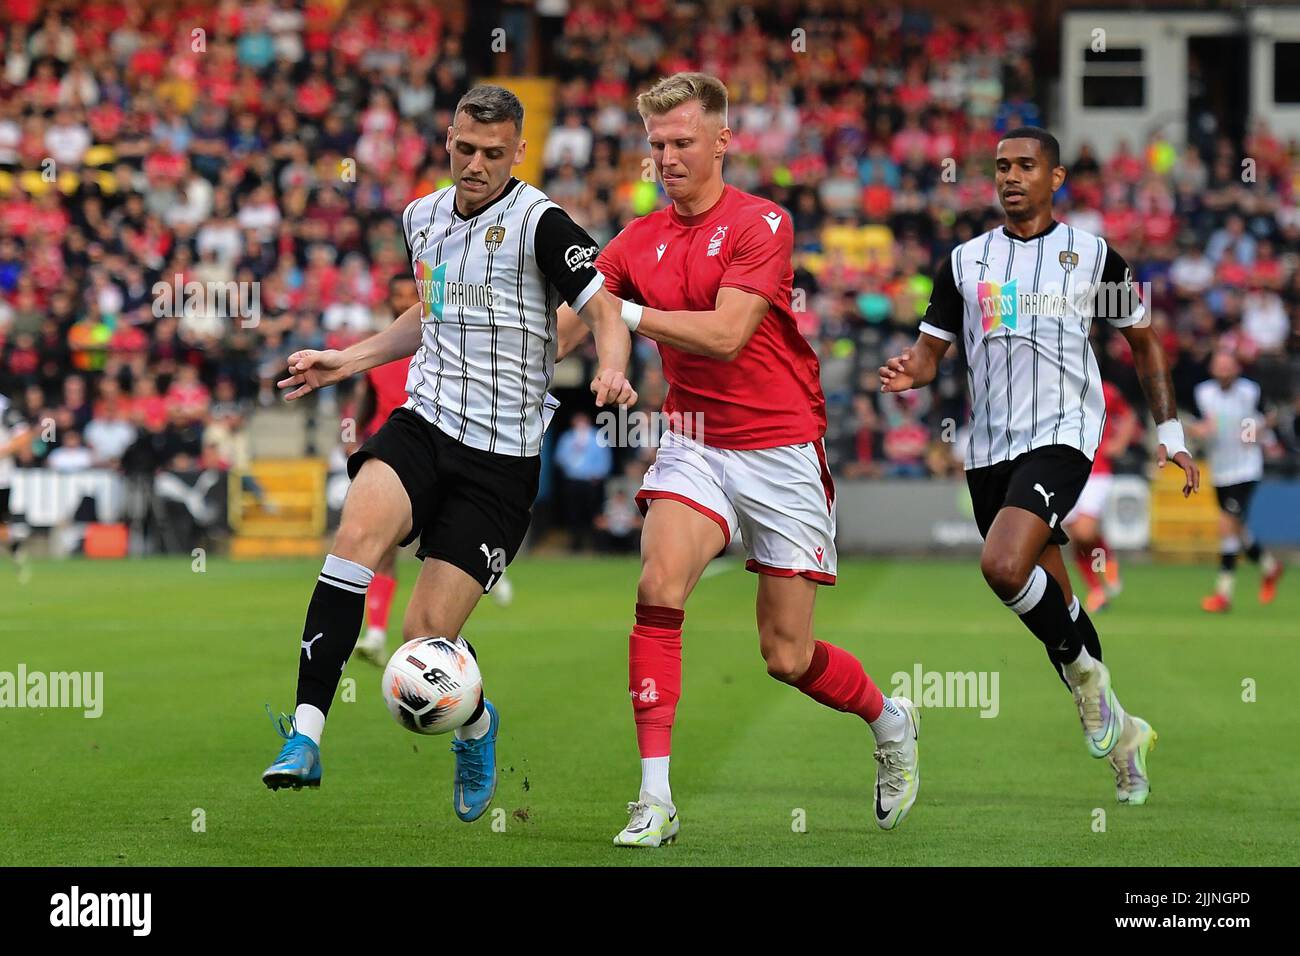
(1047,495)
(306,645)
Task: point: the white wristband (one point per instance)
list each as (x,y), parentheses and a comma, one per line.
(1170,434)
(631,314)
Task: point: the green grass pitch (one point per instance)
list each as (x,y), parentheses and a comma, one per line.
(762,775)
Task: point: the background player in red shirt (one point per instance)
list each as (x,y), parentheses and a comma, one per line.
(1083,524)
(709,278)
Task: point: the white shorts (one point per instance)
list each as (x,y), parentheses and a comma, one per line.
(782,500)
(1092,499)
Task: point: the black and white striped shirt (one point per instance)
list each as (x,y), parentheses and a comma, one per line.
(489,287)
(1234,447)
(1020,310)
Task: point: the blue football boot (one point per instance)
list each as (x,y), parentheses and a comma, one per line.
(298,765)
(476,771)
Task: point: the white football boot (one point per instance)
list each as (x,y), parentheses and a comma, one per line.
(652,824)
(1129,761)
(374,646)
(898,776)
(1099,711)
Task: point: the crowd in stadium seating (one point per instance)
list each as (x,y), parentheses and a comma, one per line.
(273,143)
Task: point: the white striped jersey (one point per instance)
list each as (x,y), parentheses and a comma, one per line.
(1019,311)
(1234,447)
(489,289)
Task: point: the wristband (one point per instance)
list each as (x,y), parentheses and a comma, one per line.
(1170,434)
(631,315)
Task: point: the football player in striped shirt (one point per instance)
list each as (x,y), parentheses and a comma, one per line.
(1017,302)
(457,466)
(1230,425)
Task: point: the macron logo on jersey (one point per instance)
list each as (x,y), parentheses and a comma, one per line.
(659,250)
(773,220)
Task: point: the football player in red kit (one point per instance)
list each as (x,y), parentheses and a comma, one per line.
(709,278)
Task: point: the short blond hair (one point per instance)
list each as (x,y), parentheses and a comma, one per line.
(671,92)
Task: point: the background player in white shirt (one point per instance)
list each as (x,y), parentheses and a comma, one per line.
(1018,302)
(1232,427)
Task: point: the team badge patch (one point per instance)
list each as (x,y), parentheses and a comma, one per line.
(1069,259)
(493,238)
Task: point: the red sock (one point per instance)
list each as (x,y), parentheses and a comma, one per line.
(836,678)
(654,673)
(379,598)
(1083,560)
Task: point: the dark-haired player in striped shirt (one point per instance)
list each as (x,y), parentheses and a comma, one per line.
(1018,302)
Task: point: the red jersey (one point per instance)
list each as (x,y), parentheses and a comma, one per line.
(1116,408)
(771,394)
(388,382)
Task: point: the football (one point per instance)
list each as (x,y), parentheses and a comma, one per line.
(432,685)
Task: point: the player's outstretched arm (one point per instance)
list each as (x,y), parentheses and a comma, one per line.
(719,333)
(570,331)
(311,369)
(602,314)
(915,367)
(1158,387)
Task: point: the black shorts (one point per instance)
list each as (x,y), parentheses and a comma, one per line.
(470,508)
(1235,499)
(4,505)
(1046,481)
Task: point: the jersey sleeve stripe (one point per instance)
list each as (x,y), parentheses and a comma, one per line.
(937,332)
(585,295)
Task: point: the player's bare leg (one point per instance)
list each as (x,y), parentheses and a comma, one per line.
(379,601)
(1010,562)
(835,678)
(677,544)
(441,603)
(376,515)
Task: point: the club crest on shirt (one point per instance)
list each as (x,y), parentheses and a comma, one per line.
(1068,259)
(494,237)
(715,243)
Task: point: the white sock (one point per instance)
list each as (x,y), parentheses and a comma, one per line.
(310,722)
(891,724)
(376,635)
(1079,668)
(654,780)
(1223,584)
(477,729)
(1267,563)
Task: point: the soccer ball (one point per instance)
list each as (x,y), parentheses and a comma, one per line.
(432,685)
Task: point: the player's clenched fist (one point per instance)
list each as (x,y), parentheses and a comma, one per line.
(899,373)
(611,387)
(310,370)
